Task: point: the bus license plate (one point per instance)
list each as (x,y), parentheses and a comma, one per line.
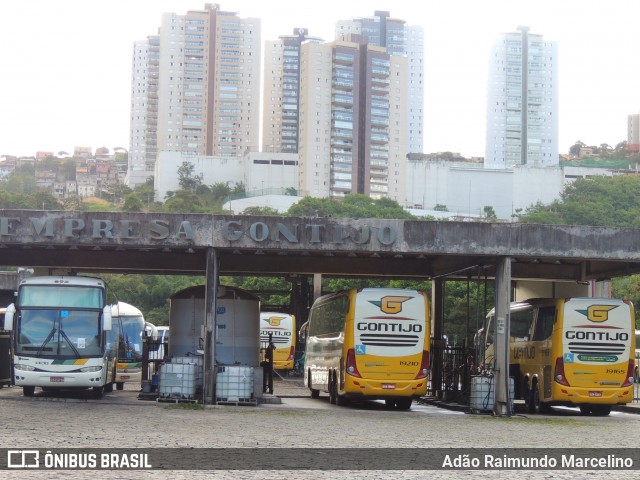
(56,379)
(388,386)
(595,394)
(125,377)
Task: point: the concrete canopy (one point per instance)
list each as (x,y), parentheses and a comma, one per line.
(162,243)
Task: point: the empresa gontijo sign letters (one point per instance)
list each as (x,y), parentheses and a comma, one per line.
(141,229)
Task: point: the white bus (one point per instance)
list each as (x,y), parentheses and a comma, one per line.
(130,325)
(61,328)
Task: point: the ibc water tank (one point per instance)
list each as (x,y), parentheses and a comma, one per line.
(237,319)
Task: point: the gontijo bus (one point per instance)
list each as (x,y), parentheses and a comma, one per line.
(571,351)
(369,343)
(282,328)
(61,326)
(130,326)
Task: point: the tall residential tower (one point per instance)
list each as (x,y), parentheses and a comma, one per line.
(522,103)
(208,86)
(402,40)
(282,91)
(353,132)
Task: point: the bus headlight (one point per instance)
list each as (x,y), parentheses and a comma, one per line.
(91,369)
(26,368)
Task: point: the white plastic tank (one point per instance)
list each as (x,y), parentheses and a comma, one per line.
(237,319)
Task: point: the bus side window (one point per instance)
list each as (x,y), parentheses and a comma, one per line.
(544,323)
(520,324)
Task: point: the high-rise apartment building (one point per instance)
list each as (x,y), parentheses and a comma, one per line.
(143,141)
(399,39)
(208,93)
(352,132)
(282,91)
(522,102)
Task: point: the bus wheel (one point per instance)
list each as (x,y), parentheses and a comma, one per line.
(28,391)
(97,392)
(538,406)
(600,410)
(342,400)
(404,403)
(314,393)
(108,387)
(333,394)
(119,385)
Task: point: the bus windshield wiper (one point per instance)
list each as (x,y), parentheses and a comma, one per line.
(73,347)
(46,340)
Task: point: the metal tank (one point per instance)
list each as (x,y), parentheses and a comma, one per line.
(237,319)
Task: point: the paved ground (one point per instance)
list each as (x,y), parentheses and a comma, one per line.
(121,420)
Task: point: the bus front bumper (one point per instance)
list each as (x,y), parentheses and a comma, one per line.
(59,379)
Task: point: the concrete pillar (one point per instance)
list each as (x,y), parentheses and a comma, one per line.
(210,301)
(317,285)
(501,406)
(437,330)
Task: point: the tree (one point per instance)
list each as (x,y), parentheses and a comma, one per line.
(489,213)
(267,211)
(220,190)
(132,203)
(575,148)
(183,201)
(596,201)
(351,206)
(186,178)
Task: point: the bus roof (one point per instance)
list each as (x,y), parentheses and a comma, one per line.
(63,279)
(122,309)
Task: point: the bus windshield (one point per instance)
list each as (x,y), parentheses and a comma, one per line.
(60,296)
(131,340)
(55,332)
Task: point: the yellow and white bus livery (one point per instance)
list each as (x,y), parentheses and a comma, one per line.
(571,351)
(282,328)
(370,343)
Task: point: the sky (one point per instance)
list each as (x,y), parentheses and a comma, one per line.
(65,65)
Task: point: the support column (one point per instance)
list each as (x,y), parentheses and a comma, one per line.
(501,406)
(210,324)
(437,325)
(317,285)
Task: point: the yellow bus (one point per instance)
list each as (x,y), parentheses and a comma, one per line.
(370,343)
(575,352)
(282,328)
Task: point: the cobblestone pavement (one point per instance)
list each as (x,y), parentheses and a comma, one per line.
(121,420)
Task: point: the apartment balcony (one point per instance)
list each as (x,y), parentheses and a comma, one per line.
(341,133)
(341,143)
(380,81)
(380,72)
(378,90)
(379,138)
(341,100)
(343,59)
(343,85)
(379,121)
